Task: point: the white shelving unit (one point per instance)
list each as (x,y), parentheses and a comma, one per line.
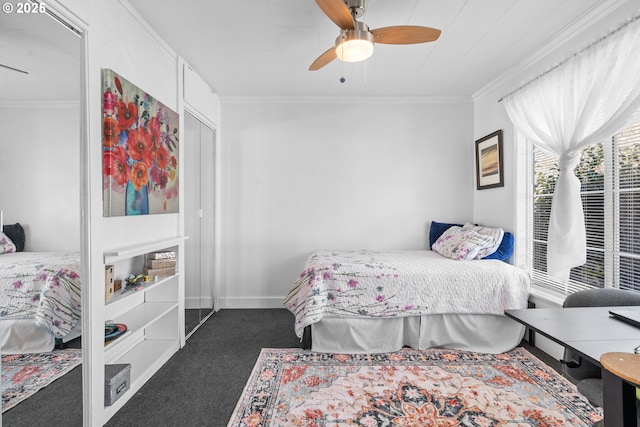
(151,312)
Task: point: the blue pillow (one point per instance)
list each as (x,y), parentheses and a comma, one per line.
(15,232)
(437,228)
(505,250)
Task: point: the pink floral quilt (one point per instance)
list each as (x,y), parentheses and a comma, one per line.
(364,284)
(44,286)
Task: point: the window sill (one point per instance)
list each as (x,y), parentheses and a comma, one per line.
(543,297)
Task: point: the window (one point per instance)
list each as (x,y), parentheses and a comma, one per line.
(609,173)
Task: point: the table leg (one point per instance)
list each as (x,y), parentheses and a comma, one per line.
(619,401)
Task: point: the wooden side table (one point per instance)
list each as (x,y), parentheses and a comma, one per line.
(620,376)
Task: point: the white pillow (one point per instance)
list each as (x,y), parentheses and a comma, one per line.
(6,245)
(468,242)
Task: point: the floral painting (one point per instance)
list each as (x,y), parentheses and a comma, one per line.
(139,150)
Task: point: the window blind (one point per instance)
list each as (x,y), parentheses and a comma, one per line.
(627,208)
(609,173)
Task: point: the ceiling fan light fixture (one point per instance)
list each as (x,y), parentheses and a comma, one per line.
(354,45)
(355,42)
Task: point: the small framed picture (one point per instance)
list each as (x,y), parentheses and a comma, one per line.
(489,173)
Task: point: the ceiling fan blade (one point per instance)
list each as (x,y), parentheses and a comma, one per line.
(328,56)
(405,34)
(14,69)
(338,12)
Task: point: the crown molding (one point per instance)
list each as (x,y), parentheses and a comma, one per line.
(369,100)
(34,103)
(524,67)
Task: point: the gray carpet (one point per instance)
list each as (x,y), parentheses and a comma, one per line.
(199,386)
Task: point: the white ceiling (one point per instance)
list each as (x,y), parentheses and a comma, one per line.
(43,47)
(264,47)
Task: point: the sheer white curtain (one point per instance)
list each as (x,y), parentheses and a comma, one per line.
(584,100)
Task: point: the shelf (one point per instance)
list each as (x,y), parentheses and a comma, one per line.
(151,312)
(119,302)
(136,320)
(142,369)
(120,254)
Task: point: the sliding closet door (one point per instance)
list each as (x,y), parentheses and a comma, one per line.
(199,193)
(207,221)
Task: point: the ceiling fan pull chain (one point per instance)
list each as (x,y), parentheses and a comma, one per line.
(342,79)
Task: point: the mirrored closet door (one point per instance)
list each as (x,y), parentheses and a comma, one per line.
(199,193)
(41,76)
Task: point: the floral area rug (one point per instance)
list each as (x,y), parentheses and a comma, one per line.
(435,387)
(24,374)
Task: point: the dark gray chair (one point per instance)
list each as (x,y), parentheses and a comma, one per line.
(588,376)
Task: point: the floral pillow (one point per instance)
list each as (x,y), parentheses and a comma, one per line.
(6,245)
(489,239)
(455,243)
(468,242)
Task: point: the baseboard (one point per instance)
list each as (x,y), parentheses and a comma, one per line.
(195,302)
(541,298)
(552,348)
(251,302)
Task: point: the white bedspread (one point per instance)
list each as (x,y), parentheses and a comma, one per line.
(43,286)
(372,284)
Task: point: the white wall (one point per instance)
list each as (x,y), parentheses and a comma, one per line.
(40,172)
(304,176)
(120,40)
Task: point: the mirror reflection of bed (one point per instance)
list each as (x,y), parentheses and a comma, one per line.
(40,174)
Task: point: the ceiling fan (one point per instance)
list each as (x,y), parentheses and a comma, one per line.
(355,42)
(14,69)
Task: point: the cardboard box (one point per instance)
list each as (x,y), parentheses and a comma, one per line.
(162,255)
(161,263)
(116,382)
(160,272)
(108,282)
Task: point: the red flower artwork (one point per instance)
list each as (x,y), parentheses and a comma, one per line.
(127,115)
(161,157)
(140,146)
(140,151)
(139,175)
(115,165)
(109,134)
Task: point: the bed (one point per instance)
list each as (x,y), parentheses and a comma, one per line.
(40,298)
(379,301)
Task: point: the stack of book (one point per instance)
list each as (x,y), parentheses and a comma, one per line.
(161,264)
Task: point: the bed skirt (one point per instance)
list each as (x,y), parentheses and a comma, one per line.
(485,333)
(18,336)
